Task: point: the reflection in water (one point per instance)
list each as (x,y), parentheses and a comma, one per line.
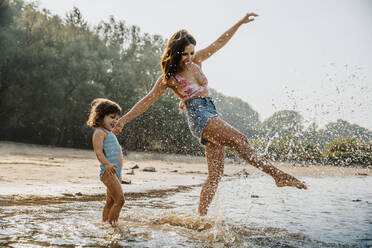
(249,212)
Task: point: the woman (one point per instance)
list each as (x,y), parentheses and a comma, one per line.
(182,73)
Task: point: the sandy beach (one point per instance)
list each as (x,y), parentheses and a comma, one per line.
(35,170)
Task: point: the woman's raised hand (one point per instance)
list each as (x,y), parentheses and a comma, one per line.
(249,17)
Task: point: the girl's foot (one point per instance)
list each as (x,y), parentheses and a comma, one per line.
(113,223)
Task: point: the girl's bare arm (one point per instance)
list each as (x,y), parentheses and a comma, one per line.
(205,53)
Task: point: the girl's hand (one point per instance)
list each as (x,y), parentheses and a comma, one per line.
(288,180)
(248,18)
(111,168)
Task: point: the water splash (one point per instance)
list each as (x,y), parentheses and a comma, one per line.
(246,212)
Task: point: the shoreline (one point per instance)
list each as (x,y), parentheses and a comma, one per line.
(41,172)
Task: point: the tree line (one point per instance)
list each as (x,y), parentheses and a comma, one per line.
(52,67)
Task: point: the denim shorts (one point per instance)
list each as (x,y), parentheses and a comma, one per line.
(199,112)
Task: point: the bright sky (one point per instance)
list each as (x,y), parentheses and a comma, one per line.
(314,57)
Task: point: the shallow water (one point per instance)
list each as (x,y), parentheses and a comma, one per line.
(246,212)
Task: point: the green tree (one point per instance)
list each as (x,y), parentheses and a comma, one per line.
(342,128)
(345,151)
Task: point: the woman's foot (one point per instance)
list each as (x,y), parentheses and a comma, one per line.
(287,180)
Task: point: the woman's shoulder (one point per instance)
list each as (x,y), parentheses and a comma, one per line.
(197,63)
(172,81)
(162,81)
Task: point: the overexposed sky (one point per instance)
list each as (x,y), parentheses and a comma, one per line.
(314,57)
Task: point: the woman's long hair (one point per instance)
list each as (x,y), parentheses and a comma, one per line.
(173,53)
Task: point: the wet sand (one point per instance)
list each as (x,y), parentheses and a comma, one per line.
(40,171)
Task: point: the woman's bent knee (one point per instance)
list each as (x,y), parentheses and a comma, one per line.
(240,141)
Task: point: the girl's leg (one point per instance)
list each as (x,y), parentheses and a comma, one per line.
(219,132)
(114,189)
(215,155)
(108,206)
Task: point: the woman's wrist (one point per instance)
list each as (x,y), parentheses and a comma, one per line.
(122,122)
(240,22)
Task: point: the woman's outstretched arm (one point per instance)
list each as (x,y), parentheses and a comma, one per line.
(142,105)
(205,53)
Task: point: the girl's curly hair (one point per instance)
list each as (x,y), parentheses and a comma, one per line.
(100,107)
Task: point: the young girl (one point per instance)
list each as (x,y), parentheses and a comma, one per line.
(103,117)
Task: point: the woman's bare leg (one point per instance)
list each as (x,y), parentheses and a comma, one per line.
(114,189)
(215,155)
(219,132)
